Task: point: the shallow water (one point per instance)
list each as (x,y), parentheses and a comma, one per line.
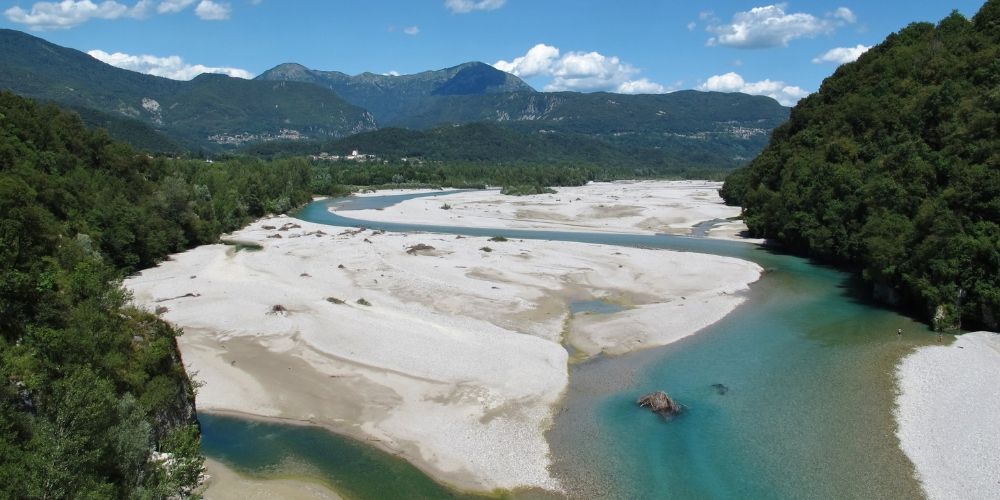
(597,306)
(350,467)
(808,363)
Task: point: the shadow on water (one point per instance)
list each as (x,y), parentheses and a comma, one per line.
(353,469)
(807,362)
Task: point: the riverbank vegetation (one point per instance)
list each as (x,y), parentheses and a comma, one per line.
(91,389)
(893,168)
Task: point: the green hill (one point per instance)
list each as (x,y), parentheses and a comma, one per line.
(135,132)
(203,113)
(721,130)
(89,385)
(291,102)
(893,168)
(487,143)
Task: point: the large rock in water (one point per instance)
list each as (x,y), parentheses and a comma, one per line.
(660,403)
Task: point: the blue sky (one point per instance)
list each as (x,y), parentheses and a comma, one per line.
(777,49)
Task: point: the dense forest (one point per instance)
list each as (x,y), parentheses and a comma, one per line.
(893,168)
(488,147)
(90,387)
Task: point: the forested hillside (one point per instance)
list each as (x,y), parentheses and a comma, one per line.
(492,144)
(893,168)
(389,97)
(89,386)
(208,111)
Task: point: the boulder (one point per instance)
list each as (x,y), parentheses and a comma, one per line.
(660,403)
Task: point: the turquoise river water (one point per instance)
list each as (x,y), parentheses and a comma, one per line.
(790,396)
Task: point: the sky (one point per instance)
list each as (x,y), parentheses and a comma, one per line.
(783,50)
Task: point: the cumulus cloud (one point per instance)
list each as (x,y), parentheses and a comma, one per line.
(173,6)
(70,13)
(412,30)
(213,11)
(580,71)
(173,67)
(537,61)
(771,26)
(641,86)
(786,94)
(845,14)
(841,55)
(466,6)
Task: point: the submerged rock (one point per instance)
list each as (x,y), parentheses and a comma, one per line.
(721,389)
(660,403)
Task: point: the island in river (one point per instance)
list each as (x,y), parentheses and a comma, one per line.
(392,337)
(326,359)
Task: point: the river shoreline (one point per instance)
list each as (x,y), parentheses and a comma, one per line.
(225,483)
(381,374)
(633,207)
(947,409)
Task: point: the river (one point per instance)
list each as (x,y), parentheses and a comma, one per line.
(790,396)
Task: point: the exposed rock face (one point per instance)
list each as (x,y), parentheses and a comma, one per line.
(660,403)
(182,412)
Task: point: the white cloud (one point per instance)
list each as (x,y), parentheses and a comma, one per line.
(173,6)
(641,86)
(786,94)
(142,9)
(537,61)
(70,13)
(841,55)
(412,30)
(173,67)
(66,14)
(466,6)
(771,26)
(692,25)
(580,71)
(208,10)
(391,73)
(845,14)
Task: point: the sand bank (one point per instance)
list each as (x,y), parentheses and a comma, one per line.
(947,415)
(227,484)
(457,362)
(643,207)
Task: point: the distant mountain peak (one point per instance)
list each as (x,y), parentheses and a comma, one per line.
(196,113)
(480,78)
(388,95)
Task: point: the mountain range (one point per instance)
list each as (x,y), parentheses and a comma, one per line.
(291,103)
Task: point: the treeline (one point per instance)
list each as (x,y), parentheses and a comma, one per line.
(337,177)
(517,146)
(89,386)
(893,168)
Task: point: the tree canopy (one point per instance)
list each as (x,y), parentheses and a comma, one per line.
(893,168)
(89,385)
